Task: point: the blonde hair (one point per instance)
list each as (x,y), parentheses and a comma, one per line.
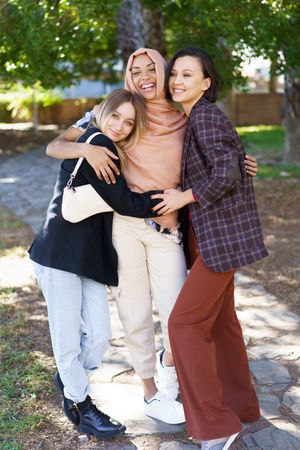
(110,104)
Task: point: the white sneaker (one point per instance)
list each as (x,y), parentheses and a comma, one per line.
(164,408)
(218,444)
(167,379)
(230,440)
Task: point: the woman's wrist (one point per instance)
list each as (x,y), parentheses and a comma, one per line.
(84,150)
(189,197)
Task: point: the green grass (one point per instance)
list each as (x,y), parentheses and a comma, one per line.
(8,224)
(266,143)
(23,378)
(15,236)
(6,220)
(263,139)
(277,171)
(25,382)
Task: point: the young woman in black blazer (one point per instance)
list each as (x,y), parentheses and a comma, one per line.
(74,261)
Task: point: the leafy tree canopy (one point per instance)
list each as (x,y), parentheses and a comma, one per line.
(59,41)
(232,30)
(56,42)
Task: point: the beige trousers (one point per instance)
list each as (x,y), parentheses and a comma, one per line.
(151,268)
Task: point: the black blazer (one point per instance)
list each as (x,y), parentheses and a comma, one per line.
(86,248)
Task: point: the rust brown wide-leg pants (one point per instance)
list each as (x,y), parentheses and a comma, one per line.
(210,355)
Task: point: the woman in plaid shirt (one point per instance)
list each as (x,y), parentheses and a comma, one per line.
(225,234)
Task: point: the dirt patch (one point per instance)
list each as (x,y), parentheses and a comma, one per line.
(15,141)
(14,233)
(279,207)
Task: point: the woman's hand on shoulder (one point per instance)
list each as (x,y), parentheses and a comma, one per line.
(101,159)
(251,165)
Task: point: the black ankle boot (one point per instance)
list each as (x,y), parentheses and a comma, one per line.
(68,405)
(95,422)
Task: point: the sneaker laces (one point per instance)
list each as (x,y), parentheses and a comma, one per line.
(161,396)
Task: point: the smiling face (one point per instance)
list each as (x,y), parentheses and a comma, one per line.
(187,83)
(120,123)
(143,76)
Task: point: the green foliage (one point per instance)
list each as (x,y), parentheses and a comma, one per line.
(207,25)
(56,42)
(59,42)
(232,31)
(271,28)
(12,445)
(18,99)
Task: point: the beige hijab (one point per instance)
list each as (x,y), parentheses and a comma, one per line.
(154,163)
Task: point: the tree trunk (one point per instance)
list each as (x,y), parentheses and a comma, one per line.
(272,84)
(139,26)
(35,112)
(291,119)
(228,105)
(131,29)
(154,26)
(273,78)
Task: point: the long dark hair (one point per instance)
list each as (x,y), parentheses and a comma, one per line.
(208,67)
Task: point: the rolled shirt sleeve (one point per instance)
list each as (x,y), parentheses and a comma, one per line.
(83,123)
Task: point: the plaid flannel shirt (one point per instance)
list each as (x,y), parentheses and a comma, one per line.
(225,216)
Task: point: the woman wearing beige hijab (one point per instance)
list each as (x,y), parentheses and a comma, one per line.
(151,261)
(152,265)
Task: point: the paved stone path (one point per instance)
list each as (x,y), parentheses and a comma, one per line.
(271,333)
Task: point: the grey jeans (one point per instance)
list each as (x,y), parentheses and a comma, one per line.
(79,324)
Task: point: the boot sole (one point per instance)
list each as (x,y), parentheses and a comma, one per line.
(102,435)
(163,421)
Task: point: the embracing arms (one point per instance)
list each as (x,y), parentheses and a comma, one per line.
(66,147)
(117,195)
(102,160)
(214,166)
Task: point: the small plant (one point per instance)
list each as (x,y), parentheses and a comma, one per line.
(20,100)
